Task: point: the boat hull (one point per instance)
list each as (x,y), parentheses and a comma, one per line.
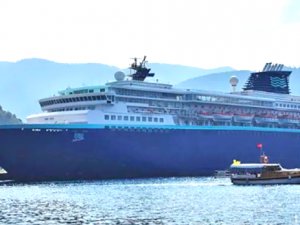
(286,180)
(68,152)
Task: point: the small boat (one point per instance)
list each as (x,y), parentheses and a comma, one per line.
(262,174)
(221,173)
(2,171)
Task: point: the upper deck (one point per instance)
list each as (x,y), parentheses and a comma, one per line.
(250,107)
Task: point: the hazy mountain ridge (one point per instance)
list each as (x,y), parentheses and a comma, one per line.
(216,81)
(169,73)
(220,81)
(24,82)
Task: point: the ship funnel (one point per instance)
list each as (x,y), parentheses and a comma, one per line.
(272,79)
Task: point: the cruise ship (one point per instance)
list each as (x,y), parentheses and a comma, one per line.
(131,128)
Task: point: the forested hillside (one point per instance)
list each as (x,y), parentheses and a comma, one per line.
(8,117)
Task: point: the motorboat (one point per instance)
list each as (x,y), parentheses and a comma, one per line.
(263,174)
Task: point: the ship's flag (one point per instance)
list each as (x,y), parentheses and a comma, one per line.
(259,145)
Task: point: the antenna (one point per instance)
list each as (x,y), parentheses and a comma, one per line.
(265,67)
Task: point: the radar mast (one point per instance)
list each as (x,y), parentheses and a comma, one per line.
(141,71)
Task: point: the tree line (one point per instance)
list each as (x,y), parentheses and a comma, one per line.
(8,118)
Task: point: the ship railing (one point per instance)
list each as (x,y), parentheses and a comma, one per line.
(243,118)
(266,120)
(288,121)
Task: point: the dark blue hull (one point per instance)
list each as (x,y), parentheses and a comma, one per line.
(66,152)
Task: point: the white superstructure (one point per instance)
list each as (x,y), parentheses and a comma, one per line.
(138,102)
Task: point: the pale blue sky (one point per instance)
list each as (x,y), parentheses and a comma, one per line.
(243,34)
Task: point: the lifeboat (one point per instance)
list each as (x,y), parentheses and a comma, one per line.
(205,115)
(222,117)
(261,119)
(285,119)
(243,118)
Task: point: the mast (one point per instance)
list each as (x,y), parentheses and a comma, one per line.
(141,71)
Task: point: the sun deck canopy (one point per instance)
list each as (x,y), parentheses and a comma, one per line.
(253,165)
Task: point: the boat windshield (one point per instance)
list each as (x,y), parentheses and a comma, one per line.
(245,170)
(272,168)
(254,168)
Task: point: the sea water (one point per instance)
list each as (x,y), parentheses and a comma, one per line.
(149,201)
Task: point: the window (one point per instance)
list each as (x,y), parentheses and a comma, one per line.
(125,117)
(144,119)
(113,117)
(138,118)
(155,119)
(161,120)
(149,119)
(106,117)
(132,118)
(119,117)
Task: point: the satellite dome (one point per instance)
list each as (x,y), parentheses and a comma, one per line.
(119,76)
(233,81)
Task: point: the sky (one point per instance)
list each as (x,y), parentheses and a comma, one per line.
(243,34)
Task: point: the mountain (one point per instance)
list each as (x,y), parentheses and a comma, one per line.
(8,118)
(220,81)
(174,74)
(24,82)
(216,81)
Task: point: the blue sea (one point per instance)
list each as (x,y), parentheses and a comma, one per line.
(149,201)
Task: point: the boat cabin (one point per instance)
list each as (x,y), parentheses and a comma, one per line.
(262,173)
(254,168)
